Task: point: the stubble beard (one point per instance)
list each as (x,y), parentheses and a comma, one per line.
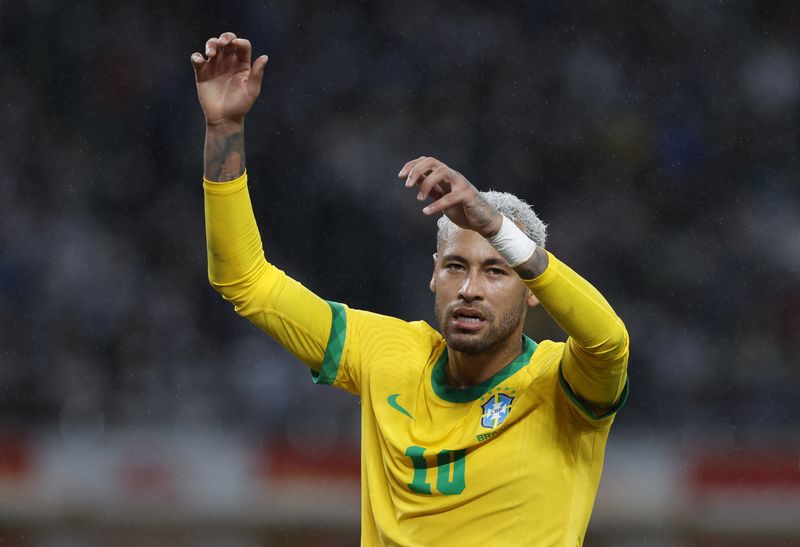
(495,332)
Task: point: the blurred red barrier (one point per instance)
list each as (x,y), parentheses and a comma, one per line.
(279,459)
(754,469)
(15,455)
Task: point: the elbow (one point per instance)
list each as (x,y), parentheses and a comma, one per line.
(611,345)
(218,283)
(618,342)
(240,297)
(230,292)
(224,289)
(242,291)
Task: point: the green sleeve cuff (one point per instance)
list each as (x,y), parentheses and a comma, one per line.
(578,402)
(333,352)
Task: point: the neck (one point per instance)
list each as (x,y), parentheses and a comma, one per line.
(464,370)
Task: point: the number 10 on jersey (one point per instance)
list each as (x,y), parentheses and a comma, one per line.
(449,471)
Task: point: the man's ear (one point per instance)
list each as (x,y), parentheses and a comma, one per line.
(433,275)
(531,299)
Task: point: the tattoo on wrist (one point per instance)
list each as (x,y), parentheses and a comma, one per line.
(224,156)
(535,266)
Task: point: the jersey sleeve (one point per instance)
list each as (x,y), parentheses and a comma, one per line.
(363,342)
(329,337)
(295,317)
(593,368)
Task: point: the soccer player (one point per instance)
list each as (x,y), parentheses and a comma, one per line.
(473,435)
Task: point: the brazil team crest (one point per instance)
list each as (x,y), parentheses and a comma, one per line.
(495,410)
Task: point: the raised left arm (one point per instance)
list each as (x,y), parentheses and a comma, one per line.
(596,355)
(595,360)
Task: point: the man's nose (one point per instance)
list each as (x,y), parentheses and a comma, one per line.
(471,287)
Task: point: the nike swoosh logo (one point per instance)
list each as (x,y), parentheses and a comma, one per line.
(392,400)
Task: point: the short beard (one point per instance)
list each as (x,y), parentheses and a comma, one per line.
(495,333)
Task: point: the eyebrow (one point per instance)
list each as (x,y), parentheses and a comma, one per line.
(488,262)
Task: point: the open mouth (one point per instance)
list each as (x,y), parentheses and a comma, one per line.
(468,319)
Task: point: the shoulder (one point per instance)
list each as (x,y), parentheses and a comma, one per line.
(548,382)
(542,370)
(377,321)
(393,353)
(384,333)
(546,359)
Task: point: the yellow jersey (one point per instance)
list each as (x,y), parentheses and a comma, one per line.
(515,460)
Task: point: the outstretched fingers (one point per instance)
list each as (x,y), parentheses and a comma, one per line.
(257,75)
(225,39)
(421,169)
(197,61)
(225,48)
(211,47)
(243,49)
(408,166)
(436,183)
(445,202)
(219,44)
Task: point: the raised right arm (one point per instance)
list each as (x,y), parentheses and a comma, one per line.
(227,87)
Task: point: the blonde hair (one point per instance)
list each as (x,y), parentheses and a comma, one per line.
(516,209)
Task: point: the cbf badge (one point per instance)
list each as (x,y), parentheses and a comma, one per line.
(495,410)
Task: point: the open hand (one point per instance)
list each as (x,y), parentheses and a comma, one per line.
(453,195)
(227,84)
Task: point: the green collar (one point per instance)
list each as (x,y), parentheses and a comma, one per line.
(467,394)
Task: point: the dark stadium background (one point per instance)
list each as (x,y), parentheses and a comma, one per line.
(659,140)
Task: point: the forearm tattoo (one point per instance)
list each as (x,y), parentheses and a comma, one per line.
(535,266)
(483,214)
(224,156)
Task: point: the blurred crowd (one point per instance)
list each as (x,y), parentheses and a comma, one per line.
(659,140)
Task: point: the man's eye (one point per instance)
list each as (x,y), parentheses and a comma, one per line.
(497,271)
(454,267)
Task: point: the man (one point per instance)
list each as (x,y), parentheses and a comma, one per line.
(477,435)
